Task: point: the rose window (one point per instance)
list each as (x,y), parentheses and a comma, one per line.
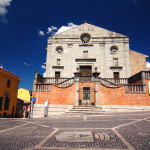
(59,49)
(85,38)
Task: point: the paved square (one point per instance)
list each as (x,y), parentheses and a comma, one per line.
(117,131)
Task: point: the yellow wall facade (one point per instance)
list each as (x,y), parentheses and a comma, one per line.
(10,92)
(23,94)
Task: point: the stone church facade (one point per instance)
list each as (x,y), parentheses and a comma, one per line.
(88,65)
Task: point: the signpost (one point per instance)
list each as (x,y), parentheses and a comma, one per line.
(33,99)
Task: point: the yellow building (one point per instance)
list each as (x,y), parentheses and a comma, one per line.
(22,103)
(8,92)
(23,94)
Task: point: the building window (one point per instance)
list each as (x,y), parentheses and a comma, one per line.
(6,105)
(70,45)
(59,49)
(58,61)
(1,102)
(113,49)
(85,54)
(57,74)
(116,75)
(8,83)
(115,61)
(85,37)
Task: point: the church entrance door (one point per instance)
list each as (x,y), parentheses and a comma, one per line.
(86,95)
(86,70)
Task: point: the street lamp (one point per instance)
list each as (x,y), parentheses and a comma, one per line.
(30,92)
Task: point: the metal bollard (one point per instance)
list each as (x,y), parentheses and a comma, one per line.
(46,108)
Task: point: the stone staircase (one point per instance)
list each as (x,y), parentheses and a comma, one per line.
(83,109)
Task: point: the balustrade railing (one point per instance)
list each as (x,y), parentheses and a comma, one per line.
(146,74)
(109,84)
(135,88)
(86,79)
(65,83)
(42,88)
(119,81)
(54,80)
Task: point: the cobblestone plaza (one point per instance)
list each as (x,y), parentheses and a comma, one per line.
(117,131)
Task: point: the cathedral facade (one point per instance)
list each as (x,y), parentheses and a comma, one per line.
(89,48)
(89,65)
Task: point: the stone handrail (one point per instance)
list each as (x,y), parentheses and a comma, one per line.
(119,81)
(65,83)
(86,79)
(146,74)
(109,84)
(130,88)
(54,80)
(42,88)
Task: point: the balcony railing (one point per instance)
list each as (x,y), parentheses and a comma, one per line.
(54,80)
(42,88)
(146,74)
(119,81)
(86,79)
(135,88)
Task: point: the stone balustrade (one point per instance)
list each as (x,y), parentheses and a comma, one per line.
(122,81)
(42,88)
(86,79)
(135,88)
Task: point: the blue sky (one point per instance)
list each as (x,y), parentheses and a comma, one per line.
(22,49)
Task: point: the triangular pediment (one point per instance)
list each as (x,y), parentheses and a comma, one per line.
(94,31)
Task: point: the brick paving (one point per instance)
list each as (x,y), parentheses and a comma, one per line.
(118,131)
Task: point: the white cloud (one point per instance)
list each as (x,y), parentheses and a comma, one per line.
(148,64)
(51,29)
(3,10)
(64,28)
(41,33)
(27,64)
(3,5)
(43,67)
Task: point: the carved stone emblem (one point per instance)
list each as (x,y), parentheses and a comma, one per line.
(75,137)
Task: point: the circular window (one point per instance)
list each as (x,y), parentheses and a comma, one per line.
(85,37)
(59,49)
(113,49)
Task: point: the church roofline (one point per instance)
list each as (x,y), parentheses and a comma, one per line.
(87,24)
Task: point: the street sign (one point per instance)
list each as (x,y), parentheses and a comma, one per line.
(33,99)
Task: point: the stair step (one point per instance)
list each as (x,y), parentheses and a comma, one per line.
(77,112)
(84,109)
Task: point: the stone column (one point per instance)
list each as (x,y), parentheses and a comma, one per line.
(77,77)
(96,80)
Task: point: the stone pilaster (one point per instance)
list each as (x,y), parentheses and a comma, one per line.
(96,80)
(77,77)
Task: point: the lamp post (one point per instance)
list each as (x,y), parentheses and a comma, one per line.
(30,92)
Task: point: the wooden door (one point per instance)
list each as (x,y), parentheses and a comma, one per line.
(86,70)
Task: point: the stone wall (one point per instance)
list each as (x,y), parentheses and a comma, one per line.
(137,62)
(109,96)
(57,96)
